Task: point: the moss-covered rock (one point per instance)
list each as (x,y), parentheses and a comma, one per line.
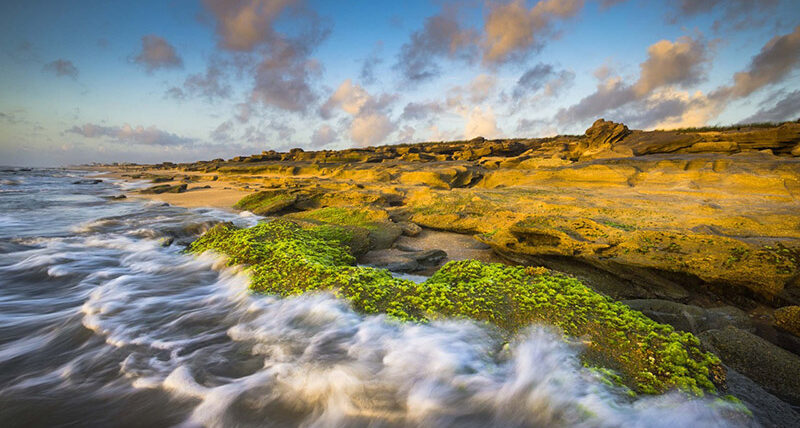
(165,188)
(381,230)
(287,259)
(266,203)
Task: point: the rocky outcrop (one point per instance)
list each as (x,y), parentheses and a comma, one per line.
(601,140)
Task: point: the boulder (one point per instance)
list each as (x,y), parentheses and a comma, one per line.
(693,319)
(768,410)
(165,188)
(409,228)
(775,369)
(404,259)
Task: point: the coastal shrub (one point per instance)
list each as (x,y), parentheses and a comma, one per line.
(287,259)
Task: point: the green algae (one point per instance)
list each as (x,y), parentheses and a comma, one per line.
(287,259)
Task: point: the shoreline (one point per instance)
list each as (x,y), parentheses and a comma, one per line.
(221,194)
(218,194)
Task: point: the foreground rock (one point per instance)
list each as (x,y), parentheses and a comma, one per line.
(768,410)
(775,369)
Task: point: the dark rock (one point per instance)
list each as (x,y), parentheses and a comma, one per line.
(405,260)
(775,369)
(429,257)
(768,410)
(95,181)
(690,318)
(165,188)
(409,228)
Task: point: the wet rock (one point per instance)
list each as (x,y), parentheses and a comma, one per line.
(405,260)
(409,228)
(768,410)
(166,188)
(691,318)
(775,369)
(95,181)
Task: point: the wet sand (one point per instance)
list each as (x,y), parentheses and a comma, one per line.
(202,193)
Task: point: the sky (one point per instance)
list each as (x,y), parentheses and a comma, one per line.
(182,80)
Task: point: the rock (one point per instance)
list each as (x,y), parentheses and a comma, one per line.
(604,132)
(165,188)
(796,150)
(384,234)
(267,203)
(409,228)
(429,257)
(399,260)
(161,179)
(95,181)
(768,410)
(775,369)
(600,140)
(788,318)
(690,318)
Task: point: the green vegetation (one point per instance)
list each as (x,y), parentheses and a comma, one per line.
(287,259)
(736,255)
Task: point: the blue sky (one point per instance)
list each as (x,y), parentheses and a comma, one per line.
(183,80)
